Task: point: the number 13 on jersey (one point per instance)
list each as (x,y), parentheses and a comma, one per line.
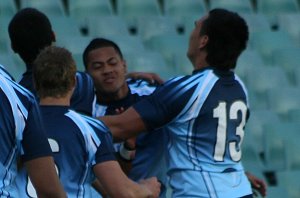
(224,118)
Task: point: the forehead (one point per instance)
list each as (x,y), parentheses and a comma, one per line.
(200,21)
(103,52)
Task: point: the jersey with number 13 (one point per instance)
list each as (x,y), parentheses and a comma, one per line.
(205,114)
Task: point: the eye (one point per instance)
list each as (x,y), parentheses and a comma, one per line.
(97,65)
(113,61)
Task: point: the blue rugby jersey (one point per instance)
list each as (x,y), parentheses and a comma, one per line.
(22,136)
(205,114)
(4,73)
(150,157)
(83,99)
(78,143)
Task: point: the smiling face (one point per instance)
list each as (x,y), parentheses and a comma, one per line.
(108,71)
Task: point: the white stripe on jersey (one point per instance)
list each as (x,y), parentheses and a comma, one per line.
(244,88)
(96,123)
(91,139)
(18,118)
(16,107)
(209,185)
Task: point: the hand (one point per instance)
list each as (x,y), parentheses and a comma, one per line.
(130,143)
(152,78)
(257,184)
(152,184)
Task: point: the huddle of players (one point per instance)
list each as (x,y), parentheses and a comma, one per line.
(82,146)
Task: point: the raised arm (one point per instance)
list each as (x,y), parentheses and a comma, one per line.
(44,178)
(125,125)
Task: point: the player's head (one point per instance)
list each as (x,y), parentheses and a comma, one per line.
(222,35)
(30,31)
(104,61)
(54,72)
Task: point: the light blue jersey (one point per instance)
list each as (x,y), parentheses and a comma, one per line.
(205,114)
(22,137)
(78,143)
(151,148)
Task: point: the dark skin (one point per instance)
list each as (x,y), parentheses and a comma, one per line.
(257,184)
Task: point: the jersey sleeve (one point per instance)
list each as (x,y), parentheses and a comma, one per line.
(166,102)
(83,99)
(34,143)
(100,143)
(105,151)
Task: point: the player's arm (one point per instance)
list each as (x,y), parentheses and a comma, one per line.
(99,188)
(125,125)
(44,178)
(117,184)
(257,184)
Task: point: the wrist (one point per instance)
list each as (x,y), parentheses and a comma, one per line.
(126,152)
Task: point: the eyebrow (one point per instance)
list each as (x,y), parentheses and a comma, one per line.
(108,60)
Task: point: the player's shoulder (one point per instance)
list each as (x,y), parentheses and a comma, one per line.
(85,120)
(83,78)
(13,89)
(82,74)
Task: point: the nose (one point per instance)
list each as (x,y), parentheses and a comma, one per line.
(107,69)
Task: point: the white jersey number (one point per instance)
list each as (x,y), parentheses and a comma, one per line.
(221,114)
(54,148)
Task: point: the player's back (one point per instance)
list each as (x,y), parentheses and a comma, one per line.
(74,141)
(209,130)
(205,114)
(69,147)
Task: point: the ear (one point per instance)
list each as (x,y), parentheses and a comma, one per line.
(53,37)
(125,66)
(203,40)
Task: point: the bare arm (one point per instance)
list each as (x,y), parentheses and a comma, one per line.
(99,188)
(44,177)
(125,125)
(117,184)
(258,184)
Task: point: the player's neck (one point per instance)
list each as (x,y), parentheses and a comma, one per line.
(58,101)
(199,61)
(111,97)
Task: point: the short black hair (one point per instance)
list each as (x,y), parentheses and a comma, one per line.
(228,35)
(30,31)
(99,43)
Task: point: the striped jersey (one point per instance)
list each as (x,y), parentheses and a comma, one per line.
(205,114)
(150,158)
(78,142)
(22,135)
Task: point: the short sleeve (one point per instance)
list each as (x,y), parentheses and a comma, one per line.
(34,143)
